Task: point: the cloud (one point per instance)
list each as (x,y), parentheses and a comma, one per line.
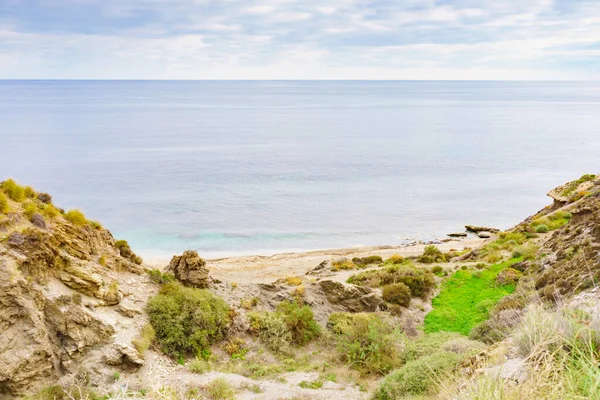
(300,39)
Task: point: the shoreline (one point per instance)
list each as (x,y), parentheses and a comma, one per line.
(268,268)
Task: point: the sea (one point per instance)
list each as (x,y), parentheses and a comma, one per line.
(263,167)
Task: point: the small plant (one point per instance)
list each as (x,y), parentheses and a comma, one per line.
(249,303)
(76,217)
(4,207)
(96,225)
(342,264)
(432,254)
(293,280)
(395,259)
(77,298)
(49,211)
(29,192)
(13,190)
(220,389)
(126,252)
(318,384)
(364,261)
(235,347)
(116,376)
(420,282)
(159,277)
(44,198)
(199,366)
(145,339)
(396,293)
(542,228)
(102,260)
(437,270)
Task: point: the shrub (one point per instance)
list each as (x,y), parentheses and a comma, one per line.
(29,192)
(542,228)
(199,366)
(291,324)
(76,217)
(527,251)
(44,198)
(342,264)
(102,260)
(48,210)
(419,281)
(145,339)
(220,389)
(272,331)
(417,377)
(125,251)
(366,342)
(293,280)
(29,209)
(235,347)
(487,332)
(364,261)
(431,254)
(13,190)
(3,203)
(437,270)
(187,320)
(508,276)
(395,259)
(159,277)
(396,293)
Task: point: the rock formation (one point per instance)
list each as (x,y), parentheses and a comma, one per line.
(190,269)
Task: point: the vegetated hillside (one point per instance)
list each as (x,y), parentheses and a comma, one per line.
(518,317)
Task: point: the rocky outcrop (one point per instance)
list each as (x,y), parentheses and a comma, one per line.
(350,297)
(190,269)
(477,229)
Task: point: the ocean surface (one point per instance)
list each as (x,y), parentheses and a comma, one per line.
(235,167)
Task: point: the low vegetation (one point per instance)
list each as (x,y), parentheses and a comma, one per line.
(4,207)
(551,222)
(125,251)
(432,254)
(571,187)
(13,190)
(76,217)
(145,339)
(466,297)
(396,293)
(157,276)
(187,320)
(290,325)
(420,281)
(367,342)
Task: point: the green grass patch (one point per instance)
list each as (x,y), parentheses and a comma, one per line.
(465,299)
(551,222)
(572,186)
(13,190)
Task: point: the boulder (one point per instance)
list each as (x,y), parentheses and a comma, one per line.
(190,269)
(457,234)
(477,229)
(123,355)
(352,298)
(484,234)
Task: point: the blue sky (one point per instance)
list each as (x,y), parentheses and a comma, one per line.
(300,39)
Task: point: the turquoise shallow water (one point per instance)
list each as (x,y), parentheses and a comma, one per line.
(261,167)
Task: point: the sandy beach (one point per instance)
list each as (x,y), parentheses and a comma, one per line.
(266,269)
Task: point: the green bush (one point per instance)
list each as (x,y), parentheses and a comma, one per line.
(290,325)
(159,277)
(29,192)
(29,208)
(542,228)
(366,342)
(419,377)
(395,259)
(437,270)
(48,210)
(431,254)
(419,281)
(145,339)
(13,190)
(342,264)
(76,217)
(126,252)
(396,293)
(187,320)
(300,320)
(364,261)
(3,203)
(220,389)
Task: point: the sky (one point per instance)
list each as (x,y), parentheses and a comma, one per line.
(300,39)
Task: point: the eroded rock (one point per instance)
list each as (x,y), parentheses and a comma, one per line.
(190,269)
(352,298)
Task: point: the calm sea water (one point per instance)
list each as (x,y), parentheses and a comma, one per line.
(259,167)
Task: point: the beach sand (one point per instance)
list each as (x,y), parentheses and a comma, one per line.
(266,269)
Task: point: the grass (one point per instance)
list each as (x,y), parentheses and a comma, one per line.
(432,254)
(551,222)
(76,217)
(572,186)
(420,281)
(4,207)
(458,307)
(342,264)
(48,210)
(293,280)
(13,190)
(220,389)
(145,339)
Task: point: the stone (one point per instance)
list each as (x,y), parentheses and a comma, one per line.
(484,234)
(318,268)
(352,298)
(514,370)
(123,355)
(477,229)
(457,234)
(38,220)
(190,269)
